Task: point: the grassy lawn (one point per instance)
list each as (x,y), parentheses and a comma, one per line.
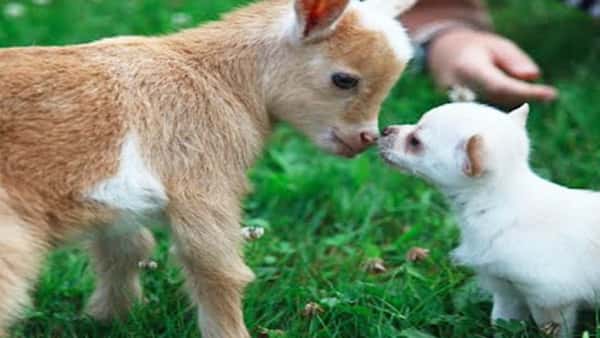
(325,217)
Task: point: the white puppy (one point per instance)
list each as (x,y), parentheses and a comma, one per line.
(534,244)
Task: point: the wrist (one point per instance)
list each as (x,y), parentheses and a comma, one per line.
(428,33)
(427,36)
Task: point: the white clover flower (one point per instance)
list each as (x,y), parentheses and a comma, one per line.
(461,94)
(312,309)
(41,2)
(375,266)
(181,19)
(148,265)
(252,233)
(14,10)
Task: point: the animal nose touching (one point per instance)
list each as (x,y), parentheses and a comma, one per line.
(395,144)
(368,138)
(362,141)
(393,136)
(391,131)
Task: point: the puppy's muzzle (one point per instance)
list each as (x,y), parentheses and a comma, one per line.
(389,137)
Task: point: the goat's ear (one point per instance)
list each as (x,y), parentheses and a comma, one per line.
(473,160)
(317,18)
(520,115)
(392,7)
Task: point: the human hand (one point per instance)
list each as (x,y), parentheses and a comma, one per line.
(494,67)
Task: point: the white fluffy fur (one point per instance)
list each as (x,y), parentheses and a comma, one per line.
(134,188)
(381,16)
(394,7)
(534,244)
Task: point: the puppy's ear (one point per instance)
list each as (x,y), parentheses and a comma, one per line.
(317,18)
(392,7)
(520,115)
(473,163)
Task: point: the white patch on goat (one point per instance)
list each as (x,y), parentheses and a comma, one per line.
(377,20)
(134,188)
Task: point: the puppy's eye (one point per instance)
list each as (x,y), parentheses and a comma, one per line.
(345,81)
(414,142)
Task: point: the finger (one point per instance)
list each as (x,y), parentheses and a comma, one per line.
(514,61)
(503,89)
(498,87)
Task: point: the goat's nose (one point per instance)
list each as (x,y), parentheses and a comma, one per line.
(367,138)
(390,130)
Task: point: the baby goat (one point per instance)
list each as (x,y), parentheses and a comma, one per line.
(94,136)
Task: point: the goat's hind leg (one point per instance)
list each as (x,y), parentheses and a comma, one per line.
(22,249)
(116,256)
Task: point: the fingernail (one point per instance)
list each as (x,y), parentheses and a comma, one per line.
(528,70)
(550,94)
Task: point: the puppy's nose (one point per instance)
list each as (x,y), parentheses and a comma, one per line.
(368,138)
(391,130)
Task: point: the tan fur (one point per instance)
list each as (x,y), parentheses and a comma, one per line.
(378,63)
(475,156)
(201,103)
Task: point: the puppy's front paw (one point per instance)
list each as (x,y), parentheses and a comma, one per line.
(551,329)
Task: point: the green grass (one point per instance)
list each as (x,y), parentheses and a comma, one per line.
(325,216)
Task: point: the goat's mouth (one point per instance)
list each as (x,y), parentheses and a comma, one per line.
(342,147)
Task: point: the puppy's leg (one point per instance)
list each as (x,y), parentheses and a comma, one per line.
(115,256)
(509,306)
(556,322)
(208,241)
(22,250)
(508,302)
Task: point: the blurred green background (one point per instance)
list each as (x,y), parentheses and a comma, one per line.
(326,217)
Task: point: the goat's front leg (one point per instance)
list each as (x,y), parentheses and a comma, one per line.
(208,243)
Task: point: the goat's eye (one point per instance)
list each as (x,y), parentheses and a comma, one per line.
(345,81)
